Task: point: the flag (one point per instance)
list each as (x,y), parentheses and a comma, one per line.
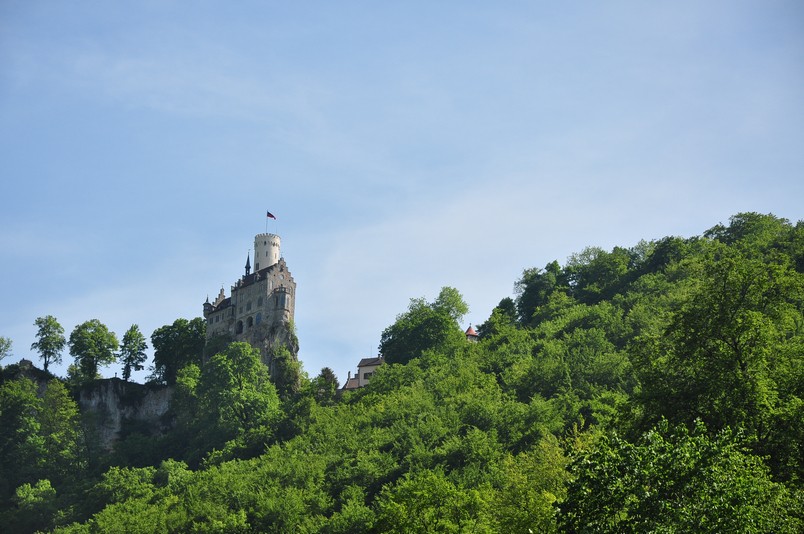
(271,216)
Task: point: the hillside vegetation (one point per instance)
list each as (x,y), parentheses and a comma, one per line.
(656,388)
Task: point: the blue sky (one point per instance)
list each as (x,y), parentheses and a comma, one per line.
(403,147)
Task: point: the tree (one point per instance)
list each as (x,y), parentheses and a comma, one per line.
(324,387)
(35,506)
(92,345)
(177,345)
(236,397)
(50,340)
(751,231)
(60,427)
(21,447)
(596,275)
(132,351)
(534,289)
(424,326)
(717,359)
(285,372)
(5,347)
(427,501)
(503,315)
(674,480)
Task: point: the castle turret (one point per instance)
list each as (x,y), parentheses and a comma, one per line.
(266,250)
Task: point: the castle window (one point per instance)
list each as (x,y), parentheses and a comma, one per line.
(259,318)
(259,301)
(239,327)
(249,322)
(248,306)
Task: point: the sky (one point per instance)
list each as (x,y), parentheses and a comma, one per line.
(402,146)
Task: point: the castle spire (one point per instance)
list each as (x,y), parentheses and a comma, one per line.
(248,264)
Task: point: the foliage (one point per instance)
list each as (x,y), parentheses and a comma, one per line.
(425,326)
(285,372)
(177,345)
(674,480)
(5,347)
(21,443)
(41,451)
(50,340)
(92,345)
(132,351)
(324,387)
(230,405)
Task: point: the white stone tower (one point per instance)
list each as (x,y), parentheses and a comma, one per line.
(266,250)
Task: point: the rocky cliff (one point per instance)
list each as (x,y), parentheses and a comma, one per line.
(112,404)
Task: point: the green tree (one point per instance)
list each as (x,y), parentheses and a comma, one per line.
(596,275)
(503,314)
(752,232)
(92,345)
(532,482)
(236,398)
(35,506)
(60,428)
(534,289)
(285,372)
(324,387)
(425,326)
(5,347)
(427,501)
(21,444)
(720,357)
(177,345)
(674,480)
(132,351)
(50,340)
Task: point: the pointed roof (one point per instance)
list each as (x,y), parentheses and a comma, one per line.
(471,332)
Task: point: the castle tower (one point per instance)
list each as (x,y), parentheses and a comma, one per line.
(266,250)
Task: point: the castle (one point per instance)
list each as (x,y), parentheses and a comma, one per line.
(261,306)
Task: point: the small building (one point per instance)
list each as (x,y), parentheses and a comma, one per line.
(471,335)
(365,370)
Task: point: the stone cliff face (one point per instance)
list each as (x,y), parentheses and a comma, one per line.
(113,403)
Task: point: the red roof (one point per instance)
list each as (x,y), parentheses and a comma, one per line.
(471,331)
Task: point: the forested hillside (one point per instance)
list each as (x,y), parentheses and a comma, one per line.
(652,388)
